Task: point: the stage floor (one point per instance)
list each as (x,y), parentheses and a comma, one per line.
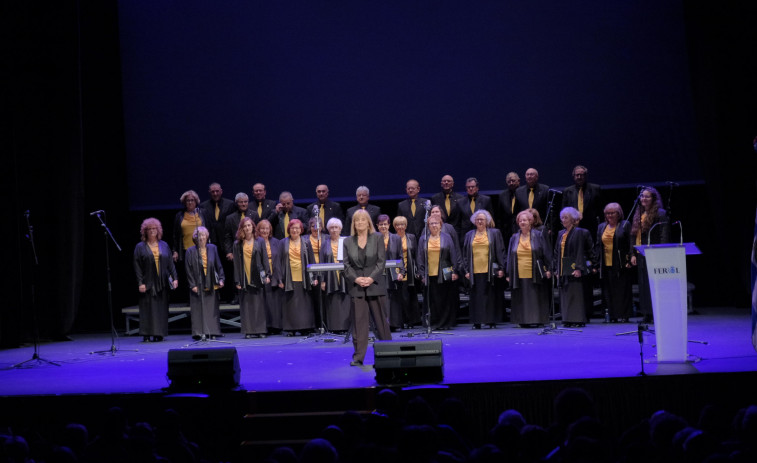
(720,344)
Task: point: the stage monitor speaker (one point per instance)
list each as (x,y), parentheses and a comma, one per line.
(205,368)
(406,362)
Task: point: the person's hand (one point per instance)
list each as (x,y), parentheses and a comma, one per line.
(633,260)
(500,273)
(229,256)
(454,276)
(315,282)
(279,207)
(267,280)
(576,273)
(194,289)
(239,286)
(220,284)
(175,256)
(548,274)
(281,285)
(467,276)
(142,288)
(323,286)
(175,284)
(507,279)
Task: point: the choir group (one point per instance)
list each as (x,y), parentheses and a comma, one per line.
(537,239)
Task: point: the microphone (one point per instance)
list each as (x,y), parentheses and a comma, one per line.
(91,213)
(26,213)
(552,190)
(680,225)
(649,236)
(427,205)
(672,183)
(640,330)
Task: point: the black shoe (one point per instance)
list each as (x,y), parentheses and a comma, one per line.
(157,338)
(356,363)
(492,325)
(477,326)
(145,338)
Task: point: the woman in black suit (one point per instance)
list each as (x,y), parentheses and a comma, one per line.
(297,308)
(529,259)
(334,285)
(186,222)
(393,248)
(573,249)
(443,259)
(406,294)
(156,274)
(364,260)
(273,294)
(649,226)
(613,251)
(205,277)
(251,273)
(484,264)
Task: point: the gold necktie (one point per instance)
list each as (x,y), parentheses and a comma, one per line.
(286,224)
(218,211)
(530,197)
(260,210)
(581,200)
(412,207)
(322,214)
(512,205)
(446,204)
(472,205)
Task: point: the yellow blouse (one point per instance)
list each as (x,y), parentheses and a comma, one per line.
(315,244)
(481,253)
(156,254)
(525,262)
(434,251)
(247,249)
(188,226)
(607,241)
(295,260)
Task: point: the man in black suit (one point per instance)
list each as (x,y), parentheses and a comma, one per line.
(232,223)
(412,208)
(536,195)
(264,208)
(285,212)
(507,207)
(447,199)
(362,194)
(218,208)
(586,198)
(325,208)
(470,203)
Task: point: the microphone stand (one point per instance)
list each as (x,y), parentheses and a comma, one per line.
(36,360)
(323,331)
(426,288)
(108,236)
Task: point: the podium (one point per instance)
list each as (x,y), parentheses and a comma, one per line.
(666,267)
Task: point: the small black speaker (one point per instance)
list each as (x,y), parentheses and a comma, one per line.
(404,362)
(214,367)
